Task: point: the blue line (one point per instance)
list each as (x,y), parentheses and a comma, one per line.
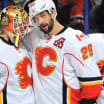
(86,17)
(5,3)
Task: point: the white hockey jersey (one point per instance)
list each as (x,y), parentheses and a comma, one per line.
(98,46)
(15,76)
(66,69)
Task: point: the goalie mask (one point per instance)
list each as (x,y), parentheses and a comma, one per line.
(13,21)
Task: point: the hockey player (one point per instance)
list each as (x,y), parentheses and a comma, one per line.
(15,65)
(98,46)
(67,72)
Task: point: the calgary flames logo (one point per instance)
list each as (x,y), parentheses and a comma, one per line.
(41,53)
(22,68)
(101,67)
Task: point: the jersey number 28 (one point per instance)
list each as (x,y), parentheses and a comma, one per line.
(87,51)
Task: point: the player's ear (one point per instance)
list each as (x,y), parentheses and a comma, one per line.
(53,13)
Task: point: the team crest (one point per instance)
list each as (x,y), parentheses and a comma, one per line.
(22,69)
(100,65)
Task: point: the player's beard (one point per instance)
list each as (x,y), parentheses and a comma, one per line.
(50,26)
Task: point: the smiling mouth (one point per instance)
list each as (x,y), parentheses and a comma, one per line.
(44,27)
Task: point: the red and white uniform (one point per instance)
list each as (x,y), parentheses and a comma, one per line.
(15,75)
(66,69)
(98,46)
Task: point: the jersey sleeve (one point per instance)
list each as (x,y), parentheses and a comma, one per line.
(81,76)
(4,75)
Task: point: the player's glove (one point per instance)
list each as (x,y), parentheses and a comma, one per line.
(87,101)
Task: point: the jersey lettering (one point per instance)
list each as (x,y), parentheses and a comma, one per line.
(81,37)
(41,53)
(86,51)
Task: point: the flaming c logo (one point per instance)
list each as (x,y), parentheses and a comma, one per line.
(41,53)
(22,69)
(100,65)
